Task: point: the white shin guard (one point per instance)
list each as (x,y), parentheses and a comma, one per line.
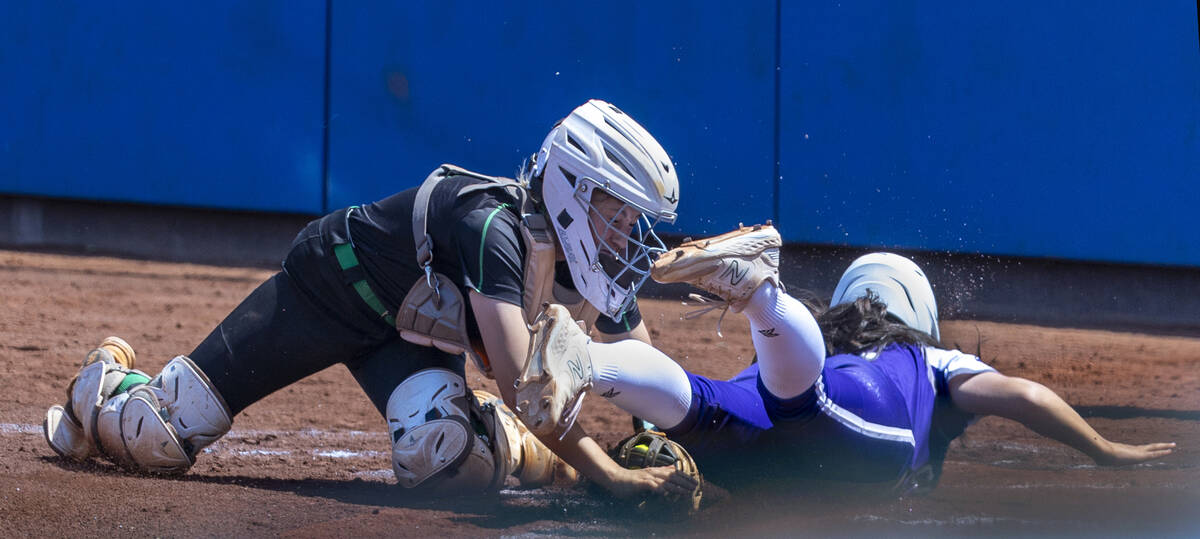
(65,435)
(194,408)
(94,385)
(155,427)
(134,435)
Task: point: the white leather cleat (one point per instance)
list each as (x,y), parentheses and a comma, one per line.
(731,265)
(557,374)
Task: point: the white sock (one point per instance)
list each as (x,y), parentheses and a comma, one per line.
(641,380)
(787,339)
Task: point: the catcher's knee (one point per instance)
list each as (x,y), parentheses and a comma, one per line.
(157,426)
(441,442)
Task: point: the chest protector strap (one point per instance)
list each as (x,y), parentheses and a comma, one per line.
(433,313)
(540,286)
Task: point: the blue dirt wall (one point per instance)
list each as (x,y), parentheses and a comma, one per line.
(1067,129)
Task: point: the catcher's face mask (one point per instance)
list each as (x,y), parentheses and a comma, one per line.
(608,240)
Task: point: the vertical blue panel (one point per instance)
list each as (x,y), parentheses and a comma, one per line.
(1047,129)
(479,85)
(200,104)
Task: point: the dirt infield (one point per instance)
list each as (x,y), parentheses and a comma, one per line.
(312,460)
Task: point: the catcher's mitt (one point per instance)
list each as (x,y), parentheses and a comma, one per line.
(648,449)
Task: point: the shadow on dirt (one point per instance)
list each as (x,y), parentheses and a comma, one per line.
(1130,412)
(581,510)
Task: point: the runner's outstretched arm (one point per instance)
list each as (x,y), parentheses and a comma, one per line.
(1041,410)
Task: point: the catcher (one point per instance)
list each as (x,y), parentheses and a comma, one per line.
(400,291)
(862,391)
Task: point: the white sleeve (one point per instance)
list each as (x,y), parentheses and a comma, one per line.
(953,362)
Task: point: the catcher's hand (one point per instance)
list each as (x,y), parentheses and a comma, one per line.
(651,449)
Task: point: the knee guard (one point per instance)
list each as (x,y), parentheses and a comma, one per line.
(441,442)
(158,427)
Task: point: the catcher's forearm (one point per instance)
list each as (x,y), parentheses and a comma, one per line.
(586,456)
(576,448)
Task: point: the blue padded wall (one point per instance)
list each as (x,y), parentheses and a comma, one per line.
(480,84)
(199,104)
(1065,130)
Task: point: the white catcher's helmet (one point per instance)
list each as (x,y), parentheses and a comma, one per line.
(599,147)
(898,282)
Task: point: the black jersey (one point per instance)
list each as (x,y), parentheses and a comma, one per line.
(476,242)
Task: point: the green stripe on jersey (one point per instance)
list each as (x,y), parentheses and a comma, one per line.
(483,241)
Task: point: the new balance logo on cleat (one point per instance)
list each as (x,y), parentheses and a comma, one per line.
(612,392)
(576,368)
(735,277)
(769,332)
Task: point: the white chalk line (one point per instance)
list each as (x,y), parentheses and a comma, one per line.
(231,439)
(231,445)
(21,428)
(221,447)
(967,520)
(1093,486)
(13,428)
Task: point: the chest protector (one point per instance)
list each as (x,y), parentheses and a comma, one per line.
(433,313)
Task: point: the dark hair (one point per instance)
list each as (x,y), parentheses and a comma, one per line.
(861,325)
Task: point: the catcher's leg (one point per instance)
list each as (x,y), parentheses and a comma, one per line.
(517,452)
(161,426)
(529,460)
(441,443)
(153,425)
(64,432)
(277,336)
(379,372)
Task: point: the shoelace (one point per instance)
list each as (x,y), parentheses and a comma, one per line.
(708,305)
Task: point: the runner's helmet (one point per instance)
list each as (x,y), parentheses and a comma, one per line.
(898,282)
